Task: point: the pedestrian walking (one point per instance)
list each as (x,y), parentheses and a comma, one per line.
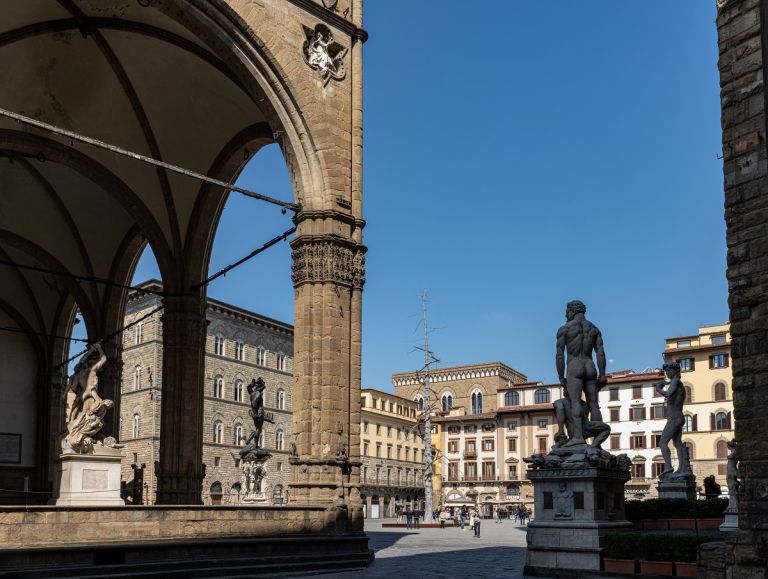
(415,519)
(408,519)
(498,516)
(443,517)
(477,525)
(472,521)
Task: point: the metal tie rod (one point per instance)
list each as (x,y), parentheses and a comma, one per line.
(120,151)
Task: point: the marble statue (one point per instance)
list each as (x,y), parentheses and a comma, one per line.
(322,53)
(318,55)
(578,412)
(598,431)
(85,408)
(579,338)
(673,429)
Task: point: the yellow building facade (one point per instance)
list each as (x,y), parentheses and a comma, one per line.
(392,453)
(704,360)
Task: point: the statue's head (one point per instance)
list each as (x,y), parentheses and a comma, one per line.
(574,307)
(260,385)
(671,368)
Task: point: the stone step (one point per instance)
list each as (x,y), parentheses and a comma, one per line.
(284,566)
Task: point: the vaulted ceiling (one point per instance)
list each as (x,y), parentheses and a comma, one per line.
(132,76)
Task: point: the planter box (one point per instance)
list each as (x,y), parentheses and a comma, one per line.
(686,569)
(626,566)
(656,524)
(682,524)
(710,524)
(656,568)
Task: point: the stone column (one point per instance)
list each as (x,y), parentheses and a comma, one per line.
(743,46)
(180,470)
(328,276)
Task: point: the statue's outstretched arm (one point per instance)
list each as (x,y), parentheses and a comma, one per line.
(673,386)
(102,357)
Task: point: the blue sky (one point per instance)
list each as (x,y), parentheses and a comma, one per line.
(519,155)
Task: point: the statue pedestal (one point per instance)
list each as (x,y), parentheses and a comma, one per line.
(254,480)
(682,488)
(573,510)
(731,523)
(88,479)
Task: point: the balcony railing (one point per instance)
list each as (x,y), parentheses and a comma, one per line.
(470,454)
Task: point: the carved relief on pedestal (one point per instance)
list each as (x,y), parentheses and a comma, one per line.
(328,261)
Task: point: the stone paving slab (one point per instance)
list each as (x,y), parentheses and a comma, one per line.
(450,552)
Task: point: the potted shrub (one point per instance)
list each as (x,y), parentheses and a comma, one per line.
(656,554)
(620,553)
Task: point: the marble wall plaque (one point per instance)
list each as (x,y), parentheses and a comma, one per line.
(10,448)
(95,480)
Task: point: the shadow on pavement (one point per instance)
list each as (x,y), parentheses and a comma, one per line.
(382,539)
(485,562)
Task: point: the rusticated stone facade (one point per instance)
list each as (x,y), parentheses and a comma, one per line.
(240,346)
(742,34)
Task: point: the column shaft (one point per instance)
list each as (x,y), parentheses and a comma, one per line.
(180,470)
(328,275)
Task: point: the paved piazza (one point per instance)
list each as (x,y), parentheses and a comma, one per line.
(449,552)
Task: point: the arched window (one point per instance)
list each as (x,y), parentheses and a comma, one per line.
(477,403)
(216,493)
(447,402)
(279,440)
(512,398)
(139,332)
(281,362)
(239,350)
(136,425)
(218,345)
(720,392)
(277,495)
(688,424)
(688,394)
(281,399)
(541,396)
(218,387)
(419,400)
(238,390)
(721,449)
(689,448)
(218,432)
(721,421)
(137,378)
(261,356)
(238,432)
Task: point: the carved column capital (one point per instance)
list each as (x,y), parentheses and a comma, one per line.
(325,258)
